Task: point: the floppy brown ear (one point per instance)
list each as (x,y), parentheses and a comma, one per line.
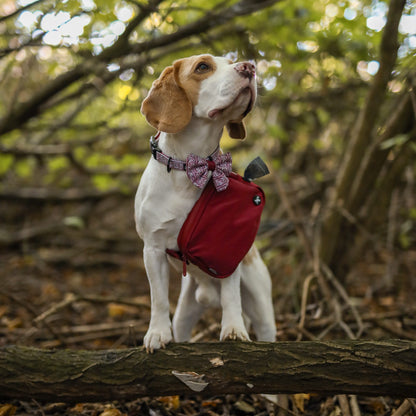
(167,107)
(236,130)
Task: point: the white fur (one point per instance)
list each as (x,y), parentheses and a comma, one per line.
(162,203)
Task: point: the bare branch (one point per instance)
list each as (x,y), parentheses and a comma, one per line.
(20,10)
(59,195)
(36,104)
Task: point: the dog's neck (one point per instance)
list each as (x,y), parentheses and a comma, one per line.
(200,137)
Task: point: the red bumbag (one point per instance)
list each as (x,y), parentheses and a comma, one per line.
(221,227)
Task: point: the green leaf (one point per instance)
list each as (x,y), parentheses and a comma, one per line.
(395,141)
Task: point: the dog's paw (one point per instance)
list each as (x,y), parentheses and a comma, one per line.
(156,338)
(234,333)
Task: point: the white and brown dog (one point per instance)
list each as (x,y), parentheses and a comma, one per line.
(190,104)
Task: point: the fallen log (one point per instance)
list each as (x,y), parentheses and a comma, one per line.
(342,367)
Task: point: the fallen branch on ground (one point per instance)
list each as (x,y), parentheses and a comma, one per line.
(344,367)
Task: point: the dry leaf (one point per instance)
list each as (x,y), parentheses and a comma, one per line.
(14,323)
(244,407)
(336,411)
(116,310)
(50,291)
(3,310)
(193,380)
(300,399)
(112,411)
(7,410)
(217,361)
(78,408)
(171,402)
(211,403)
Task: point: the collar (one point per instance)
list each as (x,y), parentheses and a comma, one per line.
(169,161)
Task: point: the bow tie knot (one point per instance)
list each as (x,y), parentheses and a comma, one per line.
(198,168)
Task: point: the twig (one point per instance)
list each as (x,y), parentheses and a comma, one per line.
(71,298)
(81,333)
(340,289)
(111,299)
(403,408)
(327,330)
(354,221)
(320,268)
(74,194)
(340,322)
(39,407)
(283,404)
(200,335)
(391,267)
(68,300)
(32,311)
(300,231)
(344,405)
(305,292)
(307,334)
(116,330)
(355,408)
(396,331)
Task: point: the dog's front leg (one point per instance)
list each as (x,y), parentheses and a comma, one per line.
(159,333)
(232,324)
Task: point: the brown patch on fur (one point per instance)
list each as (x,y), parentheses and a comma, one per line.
(189,78)
(168,106)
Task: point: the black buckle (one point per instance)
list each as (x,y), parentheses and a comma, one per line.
(154,147)
(168,165)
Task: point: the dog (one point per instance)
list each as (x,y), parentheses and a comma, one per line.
(190,104)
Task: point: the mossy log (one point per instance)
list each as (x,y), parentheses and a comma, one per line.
(356,367)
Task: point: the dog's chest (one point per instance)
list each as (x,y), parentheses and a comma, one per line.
(162,204)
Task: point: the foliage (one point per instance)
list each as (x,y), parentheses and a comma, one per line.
(73,74)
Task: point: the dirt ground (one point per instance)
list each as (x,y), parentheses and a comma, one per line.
(85,288)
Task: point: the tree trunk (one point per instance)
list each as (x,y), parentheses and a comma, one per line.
(337,234)
(358,367)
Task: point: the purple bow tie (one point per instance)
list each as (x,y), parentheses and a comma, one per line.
(197,170)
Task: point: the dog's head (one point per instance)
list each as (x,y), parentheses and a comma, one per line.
(202,86)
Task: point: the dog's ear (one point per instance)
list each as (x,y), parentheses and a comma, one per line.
(167,107)
(236,130)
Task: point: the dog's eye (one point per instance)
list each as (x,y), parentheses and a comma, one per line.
(202,67)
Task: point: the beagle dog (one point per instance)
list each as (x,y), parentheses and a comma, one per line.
(190,104)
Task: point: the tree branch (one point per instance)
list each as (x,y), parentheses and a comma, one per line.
(21,9)
(204,24)
(19,115)
(364,367)
(369,114)
(60,195)
(398,123)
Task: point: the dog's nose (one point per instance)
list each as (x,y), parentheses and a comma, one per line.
(246,69)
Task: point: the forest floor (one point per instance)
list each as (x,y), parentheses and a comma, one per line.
(66,292)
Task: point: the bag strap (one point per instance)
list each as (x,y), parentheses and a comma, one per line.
(178,255)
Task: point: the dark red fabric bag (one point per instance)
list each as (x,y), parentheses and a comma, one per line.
(221,227)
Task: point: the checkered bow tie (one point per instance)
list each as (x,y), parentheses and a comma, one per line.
(197,170)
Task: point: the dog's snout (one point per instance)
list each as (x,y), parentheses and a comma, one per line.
(246,69)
